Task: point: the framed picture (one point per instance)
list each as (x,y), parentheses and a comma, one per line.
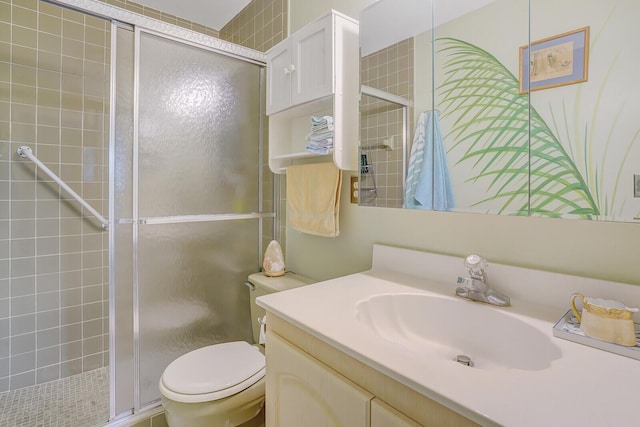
(555,61)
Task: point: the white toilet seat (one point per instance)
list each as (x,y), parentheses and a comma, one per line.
(213,372)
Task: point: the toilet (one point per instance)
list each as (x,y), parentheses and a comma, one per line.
(222,385)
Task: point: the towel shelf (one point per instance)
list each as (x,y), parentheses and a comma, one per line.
(326,84)
(300,155)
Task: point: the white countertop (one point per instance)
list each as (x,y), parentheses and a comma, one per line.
(583,387)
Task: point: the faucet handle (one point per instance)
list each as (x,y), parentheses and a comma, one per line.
(475,262)
(476,265)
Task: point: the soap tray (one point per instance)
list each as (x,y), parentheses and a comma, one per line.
(568,328)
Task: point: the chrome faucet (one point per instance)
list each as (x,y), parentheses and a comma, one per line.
(476,287)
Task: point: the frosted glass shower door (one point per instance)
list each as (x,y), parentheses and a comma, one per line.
(198,192)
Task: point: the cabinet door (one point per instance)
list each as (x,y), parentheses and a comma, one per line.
(301,391)
(383,415)
(279,66)
(312,50)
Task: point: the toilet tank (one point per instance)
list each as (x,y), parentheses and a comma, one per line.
(264,285)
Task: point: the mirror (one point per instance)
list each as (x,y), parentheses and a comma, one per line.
(498,121)
(384,120)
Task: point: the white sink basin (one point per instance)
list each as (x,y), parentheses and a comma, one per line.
(443,327)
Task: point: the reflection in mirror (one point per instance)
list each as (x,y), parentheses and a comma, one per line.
(595,123)
(384,121)
(567,148)
(386,112)
(484,121)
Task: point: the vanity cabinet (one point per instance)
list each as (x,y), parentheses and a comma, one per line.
(314,72)
(311,383)
(383,415)
(304,392)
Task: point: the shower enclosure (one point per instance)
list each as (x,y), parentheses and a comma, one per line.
(187,205)
(163,137)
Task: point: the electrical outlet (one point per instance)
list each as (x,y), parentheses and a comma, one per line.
(353,190)
(636,185)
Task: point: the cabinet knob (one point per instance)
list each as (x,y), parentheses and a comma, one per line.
(286,70)
(289,69)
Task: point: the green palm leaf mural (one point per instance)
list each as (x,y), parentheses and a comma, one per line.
(512,149)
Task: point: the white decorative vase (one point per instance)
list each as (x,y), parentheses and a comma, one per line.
(273,263)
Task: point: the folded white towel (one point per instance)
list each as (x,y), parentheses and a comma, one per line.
(318,150)
(319,136)
(321,128)
(319,120)
(322,143)
(320,147)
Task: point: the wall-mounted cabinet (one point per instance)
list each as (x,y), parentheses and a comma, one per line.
(300,68)
(314,72)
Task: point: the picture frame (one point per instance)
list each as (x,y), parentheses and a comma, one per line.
(559,60)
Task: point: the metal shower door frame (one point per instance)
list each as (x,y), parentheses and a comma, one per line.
(136,220)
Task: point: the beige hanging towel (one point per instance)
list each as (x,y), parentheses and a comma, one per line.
(313,197)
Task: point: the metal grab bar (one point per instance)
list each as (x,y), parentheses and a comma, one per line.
(25,151)
(202,218)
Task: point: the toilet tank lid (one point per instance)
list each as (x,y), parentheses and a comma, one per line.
(214,368)
(281,283)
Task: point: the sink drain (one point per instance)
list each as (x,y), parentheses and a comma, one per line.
(464,360)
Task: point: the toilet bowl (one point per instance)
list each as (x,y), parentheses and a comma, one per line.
(217,385)
(222,385)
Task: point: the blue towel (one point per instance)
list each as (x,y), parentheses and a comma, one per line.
(428,181)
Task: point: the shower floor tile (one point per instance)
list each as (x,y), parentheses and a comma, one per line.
(78,401)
